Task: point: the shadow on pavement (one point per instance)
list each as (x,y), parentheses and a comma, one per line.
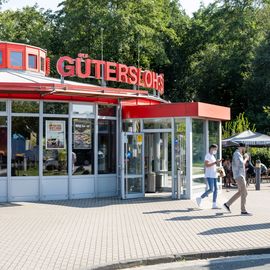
(233,263)
(223,230)
(187,218)
(173,211)
(9,204)
(103,202)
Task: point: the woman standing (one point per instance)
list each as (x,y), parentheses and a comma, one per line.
(210,163)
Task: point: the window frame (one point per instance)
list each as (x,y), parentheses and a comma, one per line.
(23,61)
(1,58)
(28,61)
(64,115)
(116,143)
(42,64)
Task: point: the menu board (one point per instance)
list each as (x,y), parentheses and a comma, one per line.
(82,134)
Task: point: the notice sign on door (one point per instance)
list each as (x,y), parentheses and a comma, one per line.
(139,139)
(55,134)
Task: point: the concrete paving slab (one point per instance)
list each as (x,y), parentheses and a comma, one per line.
(94,233)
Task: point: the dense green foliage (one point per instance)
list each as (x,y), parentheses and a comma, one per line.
(237,125)
(263,154)
(221,55)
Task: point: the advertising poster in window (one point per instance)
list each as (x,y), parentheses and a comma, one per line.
(55,134)
(82,134)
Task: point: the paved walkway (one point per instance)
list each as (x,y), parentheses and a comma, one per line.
(85,234)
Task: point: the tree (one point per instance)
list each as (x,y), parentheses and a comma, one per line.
(134,32)
(258,87)
(29,25)
(2,2)
(224,38)
(238,125)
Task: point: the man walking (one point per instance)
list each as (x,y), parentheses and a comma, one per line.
(239,174)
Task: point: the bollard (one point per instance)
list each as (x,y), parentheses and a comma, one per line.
(258,174)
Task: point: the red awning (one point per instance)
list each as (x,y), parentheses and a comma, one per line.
(192,109)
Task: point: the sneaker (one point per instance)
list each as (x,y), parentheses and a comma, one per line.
(215,206)
(227,207)
(246,213)
(199,201)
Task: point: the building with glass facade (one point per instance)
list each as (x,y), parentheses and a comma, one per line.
(62,139)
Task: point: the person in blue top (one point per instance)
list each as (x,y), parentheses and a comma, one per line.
(210,163)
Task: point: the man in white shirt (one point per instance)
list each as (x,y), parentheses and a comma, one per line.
(210,163)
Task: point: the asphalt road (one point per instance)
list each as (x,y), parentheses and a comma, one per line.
(254,262)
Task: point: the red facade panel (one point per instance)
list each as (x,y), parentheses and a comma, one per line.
(8,47)
(193,109)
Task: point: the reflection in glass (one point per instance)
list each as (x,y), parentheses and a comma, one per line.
(198,146)
(133,154)
(42,63)
(157,123)
(2,106)
(16,59)
(106,146)
(32,61)
(106,110)
(55,154)
(55,108)
(199,181)
(131,126)
(83,110)
(82,146)
(1,58)
(213,127)
(134,185)
(180,145)
(199,185)
(3,146)
(180,153)
(25,146)
(20,106)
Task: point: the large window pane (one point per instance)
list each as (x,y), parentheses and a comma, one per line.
(42,63)
(32,61)
(25,146)
(180,151)
(82,146)
(16,59)
(198,146)
(55,108)
(199,185)
(106,110)
(157,123)
(83,110)
(19,106)
(131,126)
(55,146)
(133,154)
(2,106)
(213,127)
(3,146)
(106,146)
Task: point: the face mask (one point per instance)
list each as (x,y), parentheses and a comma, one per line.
(214,152)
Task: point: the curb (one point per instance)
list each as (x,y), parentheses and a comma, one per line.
(181,257)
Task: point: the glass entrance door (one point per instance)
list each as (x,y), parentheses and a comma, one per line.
(133,169)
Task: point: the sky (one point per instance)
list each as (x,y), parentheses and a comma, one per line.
(190,6)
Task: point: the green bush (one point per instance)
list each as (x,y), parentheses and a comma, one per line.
(263,154)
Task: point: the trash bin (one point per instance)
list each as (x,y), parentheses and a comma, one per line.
(159,178)
(151,182)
